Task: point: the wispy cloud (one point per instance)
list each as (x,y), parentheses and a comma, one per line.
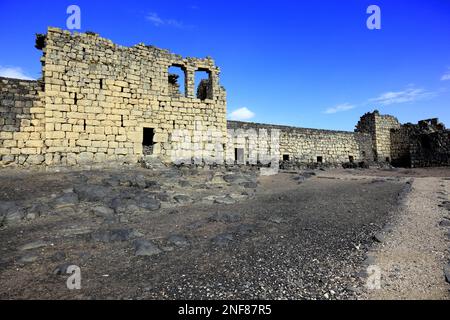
(241,114)
(446,76)
(410,94)
(340,108)
(14,72)
(157,21)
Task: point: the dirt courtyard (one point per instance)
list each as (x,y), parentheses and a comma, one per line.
(182,233)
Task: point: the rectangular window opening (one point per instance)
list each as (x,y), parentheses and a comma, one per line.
(319,159)
(203,84)
(351,159)
(177,81)
(285,157)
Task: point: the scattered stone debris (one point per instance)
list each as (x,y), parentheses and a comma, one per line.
(226,217)
(145,248)
(445,223)
(62,268)
(29,258)
(245,229)
(225,200)
(276,219)
(178,240)
(379,237)
(102,211)
(223,239)
(246,235)
(182,199)
(113,235)
(33,245)
(447,272)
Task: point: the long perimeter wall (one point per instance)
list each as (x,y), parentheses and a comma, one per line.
(307,145)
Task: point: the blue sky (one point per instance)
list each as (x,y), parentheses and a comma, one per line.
(304,63)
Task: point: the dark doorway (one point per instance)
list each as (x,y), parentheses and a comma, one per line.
(351,159)
(319,159)
(147,141)
(285,157)
(425,142)
(239,155)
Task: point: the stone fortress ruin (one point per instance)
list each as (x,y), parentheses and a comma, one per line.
(98,102)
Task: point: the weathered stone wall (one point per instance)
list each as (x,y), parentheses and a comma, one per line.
(428,143)
(306,145)
(431,150)
(425,144)
(21,122)
(99,96)
(400,146)
(259,143)
(379,126)
(384,124)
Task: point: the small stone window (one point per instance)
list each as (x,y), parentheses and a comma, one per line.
(177,81)
(388,159)
(285,157)
(351,159)
(147,141)
(319,159)
(203,84)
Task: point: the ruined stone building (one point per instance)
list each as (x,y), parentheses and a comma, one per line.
(426,144)
(98,102)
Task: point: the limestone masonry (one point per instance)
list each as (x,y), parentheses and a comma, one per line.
(98,102)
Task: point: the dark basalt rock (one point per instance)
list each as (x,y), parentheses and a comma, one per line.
(145,248)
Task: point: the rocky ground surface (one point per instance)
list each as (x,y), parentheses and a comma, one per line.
(186,233)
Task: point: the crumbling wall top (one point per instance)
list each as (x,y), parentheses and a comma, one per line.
(42,41)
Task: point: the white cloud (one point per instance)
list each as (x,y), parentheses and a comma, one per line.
(241,114)
(446,75)
(157,21)
(340,108)
(408,95)
(13,72)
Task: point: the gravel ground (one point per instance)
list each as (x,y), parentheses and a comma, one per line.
(415,251)
(289,236)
